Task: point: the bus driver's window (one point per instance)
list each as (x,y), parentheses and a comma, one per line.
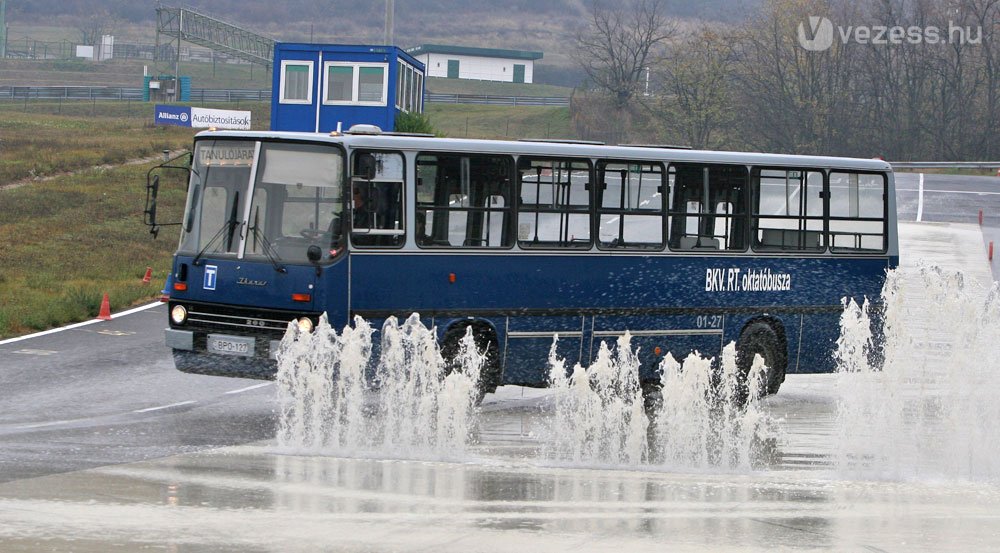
(377,199)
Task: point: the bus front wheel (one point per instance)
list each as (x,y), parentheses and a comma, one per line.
(760,338)
(486,342)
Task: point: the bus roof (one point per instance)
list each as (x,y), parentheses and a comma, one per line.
(550,148)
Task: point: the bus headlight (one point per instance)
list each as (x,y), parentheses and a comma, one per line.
(305,325)
(178,314)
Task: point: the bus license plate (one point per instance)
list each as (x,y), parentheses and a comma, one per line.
(230,345)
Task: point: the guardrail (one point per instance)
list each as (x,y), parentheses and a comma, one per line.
(945,164)
(124,93)
(490,99)
(234,95)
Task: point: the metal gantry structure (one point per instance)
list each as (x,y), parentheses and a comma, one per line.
(186,24)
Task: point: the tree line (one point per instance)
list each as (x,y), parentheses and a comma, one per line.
(901,79)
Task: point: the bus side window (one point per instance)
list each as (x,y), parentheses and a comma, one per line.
(376,200)
(787,210)
(630,205)
(463,201)
(708,207)
(857,212)
(554,207)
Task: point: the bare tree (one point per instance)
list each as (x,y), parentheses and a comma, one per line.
(621,41)
(97,24)
(696,101)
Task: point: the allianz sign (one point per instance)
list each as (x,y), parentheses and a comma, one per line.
(200,118)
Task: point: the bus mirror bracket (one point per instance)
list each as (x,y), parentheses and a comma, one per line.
(153,191)
(314,253)
(366,167)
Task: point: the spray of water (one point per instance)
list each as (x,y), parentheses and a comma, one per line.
(696,422)
(921,401)
(334,398)
(409,406)
(598,416)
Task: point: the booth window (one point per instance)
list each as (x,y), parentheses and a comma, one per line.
(356,83)
(409,89)
(296,82)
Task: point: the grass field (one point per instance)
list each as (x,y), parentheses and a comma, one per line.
(67,239)
(463,86)
(500,122)
(128,73)
(39,139)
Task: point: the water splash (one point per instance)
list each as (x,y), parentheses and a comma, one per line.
(411,405)
(921,401)
(334,398)
(697,422)
(598,411)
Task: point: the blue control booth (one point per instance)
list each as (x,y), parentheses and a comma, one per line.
(326,87)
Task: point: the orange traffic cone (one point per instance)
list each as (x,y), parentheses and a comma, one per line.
(105,314)
(149,275)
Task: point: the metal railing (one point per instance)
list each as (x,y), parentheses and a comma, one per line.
(256,95)
(124,93)
(945,164)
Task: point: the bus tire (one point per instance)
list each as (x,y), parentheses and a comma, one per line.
(760,338)
(486,341)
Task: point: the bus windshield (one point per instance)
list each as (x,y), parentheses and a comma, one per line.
(295,201)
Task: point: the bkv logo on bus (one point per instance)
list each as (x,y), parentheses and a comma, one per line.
(211,276)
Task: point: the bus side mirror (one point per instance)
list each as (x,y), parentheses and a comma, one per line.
(179,177)
(149,215)
(365,166)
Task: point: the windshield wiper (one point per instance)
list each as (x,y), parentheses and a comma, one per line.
(230,225)
(267,248)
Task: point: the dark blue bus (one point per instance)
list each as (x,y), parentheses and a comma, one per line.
(522,241)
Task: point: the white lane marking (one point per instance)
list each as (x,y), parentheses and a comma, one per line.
(43,424)
(77,325)
(178,404)
(920,199)
(949,191)
(35,351)
(248,388)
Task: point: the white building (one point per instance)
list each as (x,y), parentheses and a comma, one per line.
(483,64)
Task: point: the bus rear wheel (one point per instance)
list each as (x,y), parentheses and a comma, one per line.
(760,338)
(486,342)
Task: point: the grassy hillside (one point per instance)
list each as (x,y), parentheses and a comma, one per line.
(71,238)
(77,233)
(126,73)
(44,138)
(500,122)
(464,86)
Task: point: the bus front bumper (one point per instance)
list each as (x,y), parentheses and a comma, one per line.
(184,340)
(197,359)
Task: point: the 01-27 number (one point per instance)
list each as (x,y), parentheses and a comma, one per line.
(708,321)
